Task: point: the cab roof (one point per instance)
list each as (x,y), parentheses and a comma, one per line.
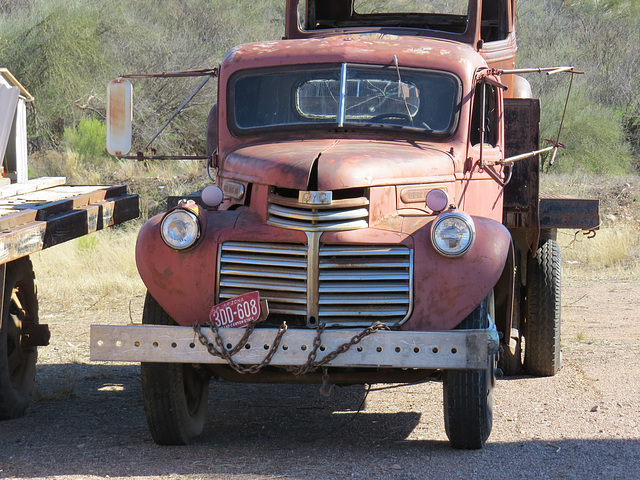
(371,48)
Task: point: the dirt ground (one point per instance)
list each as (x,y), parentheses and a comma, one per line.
(87,419)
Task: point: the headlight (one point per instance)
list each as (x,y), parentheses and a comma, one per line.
(452,234)
(180,229)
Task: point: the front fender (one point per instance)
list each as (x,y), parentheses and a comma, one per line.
(183,283)
(446,290)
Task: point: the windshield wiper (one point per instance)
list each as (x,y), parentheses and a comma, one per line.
(400,87)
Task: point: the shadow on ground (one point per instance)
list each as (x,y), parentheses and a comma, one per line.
(95,426)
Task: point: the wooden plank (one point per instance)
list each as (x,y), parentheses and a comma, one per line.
(25,232)
(17,218)
(67,199)
(31,186)
(126,207)
(22,241)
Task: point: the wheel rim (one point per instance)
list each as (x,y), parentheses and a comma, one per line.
(17,356)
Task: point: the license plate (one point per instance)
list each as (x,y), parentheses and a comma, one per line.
(315,198)
(236,312)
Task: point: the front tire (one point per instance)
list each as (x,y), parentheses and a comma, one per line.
(174,394)
(17,361)
(468,394)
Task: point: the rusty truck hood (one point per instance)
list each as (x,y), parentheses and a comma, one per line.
(340,163)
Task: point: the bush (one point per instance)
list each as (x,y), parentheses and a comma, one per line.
(593,134)
(88,139)
(597,37)
(56,51)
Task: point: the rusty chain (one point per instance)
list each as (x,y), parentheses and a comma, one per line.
(219,349)
(222,352)
(311,364)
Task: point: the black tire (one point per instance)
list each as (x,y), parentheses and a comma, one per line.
(542,352)
(17,363)
(174,394)
(468,394)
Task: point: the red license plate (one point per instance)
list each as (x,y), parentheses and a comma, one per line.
(236,312)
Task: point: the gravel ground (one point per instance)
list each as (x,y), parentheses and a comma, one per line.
(87,420)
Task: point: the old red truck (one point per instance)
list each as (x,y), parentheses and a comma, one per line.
(375,215)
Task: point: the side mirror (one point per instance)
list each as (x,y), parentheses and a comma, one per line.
(119,116)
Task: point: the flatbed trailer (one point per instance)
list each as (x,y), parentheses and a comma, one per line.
(35,215)
(45,212)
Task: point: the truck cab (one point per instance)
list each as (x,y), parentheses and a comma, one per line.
(356,153)
(360,196)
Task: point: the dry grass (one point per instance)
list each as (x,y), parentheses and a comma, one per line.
(613,252)
(93,271)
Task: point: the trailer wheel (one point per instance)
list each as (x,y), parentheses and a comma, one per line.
(174,394)
(542,352)
(468,394)
(17,361)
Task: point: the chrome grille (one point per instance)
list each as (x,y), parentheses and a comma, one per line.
(356,284)
(342,214)
(369,282)
(278,271)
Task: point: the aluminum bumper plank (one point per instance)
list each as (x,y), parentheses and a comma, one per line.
(395,349)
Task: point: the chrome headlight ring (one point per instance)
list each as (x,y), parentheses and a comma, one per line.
(180,229)
(453,234)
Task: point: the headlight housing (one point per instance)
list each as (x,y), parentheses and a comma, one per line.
(180,229)
(453,234)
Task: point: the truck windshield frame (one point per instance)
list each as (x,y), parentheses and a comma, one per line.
(351,96)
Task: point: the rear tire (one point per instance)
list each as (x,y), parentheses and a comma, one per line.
(542,354)
(468,394)
(174,394)
(17,362)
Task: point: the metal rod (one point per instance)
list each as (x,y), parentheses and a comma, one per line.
(141,157)
(564,112)
(178,110)
(550,70)
(212,72)
(524,156)
(343,96)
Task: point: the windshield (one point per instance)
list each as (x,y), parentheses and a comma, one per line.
(344,95)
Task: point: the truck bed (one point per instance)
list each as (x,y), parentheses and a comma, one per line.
(44,212)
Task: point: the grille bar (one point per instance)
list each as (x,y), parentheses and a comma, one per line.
(359,284)
(319,215)
(345,214)
(356,284)
(278,271)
